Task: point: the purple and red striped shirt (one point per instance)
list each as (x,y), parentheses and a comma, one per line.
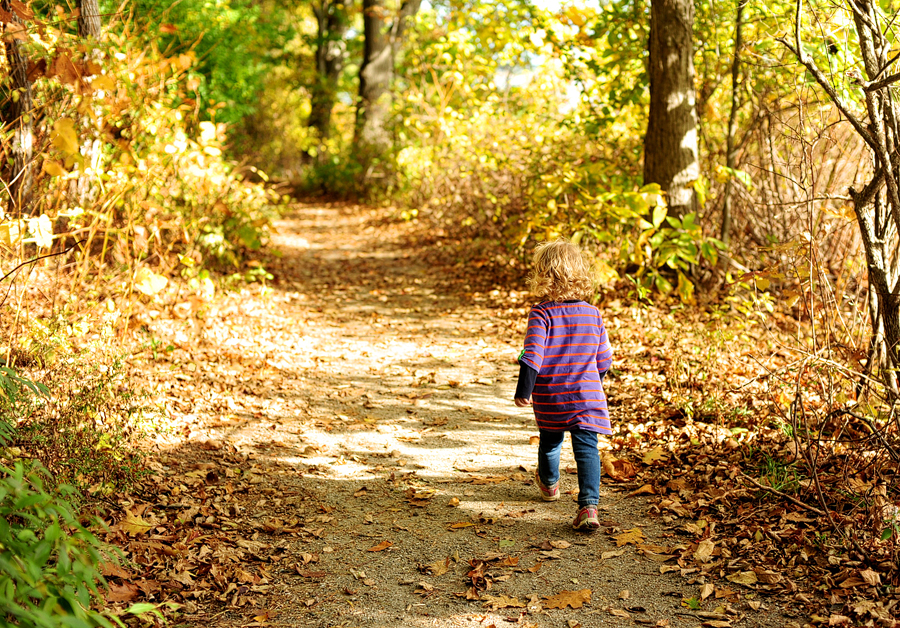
(567,346)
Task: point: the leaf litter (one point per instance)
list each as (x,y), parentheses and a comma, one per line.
(320,429)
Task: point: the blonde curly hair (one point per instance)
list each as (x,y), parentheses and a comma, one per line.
(560,272)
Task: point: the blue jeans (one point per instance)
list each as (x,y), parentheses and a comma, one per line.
(587,458)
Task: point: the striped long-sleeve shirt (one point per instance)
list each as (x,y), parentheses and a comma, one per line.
(566,344)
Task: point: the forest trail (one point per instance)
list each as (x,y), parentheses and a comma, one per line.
(345,452)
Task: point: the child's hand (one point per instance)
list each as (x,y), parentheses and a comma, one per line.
(523,402)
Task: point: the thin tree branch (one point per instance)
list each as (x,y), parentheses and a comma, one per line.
(37,259)
(822,80)
(32,261)
(876,85)
(887,65)
(793,500)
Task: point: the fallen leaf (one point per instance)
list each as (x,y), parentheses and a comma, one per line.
(501,602)
(490,479)
(668,568)
(134,525)
(611,554)
(111,569)
(63,135)
(380,547)
(618,612)
(619,470)
(552,554)
(560,544)
(536,567)
(460,525)
(265,616)
(148,282)
(744,577)
(657,453)
(767,577)
(437,568)
(632,536)
(706,590)
(646,489)
(575,599)
(122,592)
(624,595)
(871,577)
(704,550)
(726,593)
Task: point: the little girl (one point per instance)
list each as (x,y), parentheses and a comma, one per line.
(562,366)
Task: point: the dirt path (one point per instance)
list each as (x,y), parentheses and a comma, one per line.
(348,453)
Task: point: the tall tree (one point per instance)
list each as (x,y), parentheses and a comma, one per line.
(89,24)
(877,204)
(89,27)
(382,43)
(17,112)
(331,23)
(730,151)
(670,145)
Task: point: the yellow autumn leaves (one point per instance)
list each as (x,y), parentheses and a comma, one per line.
(38,230)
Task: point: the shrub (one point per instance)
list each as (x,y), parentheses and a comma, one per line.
(82,430)
(82,418)
(48,560)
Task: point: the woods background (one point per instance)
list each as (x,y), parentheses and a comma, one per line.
(737,160)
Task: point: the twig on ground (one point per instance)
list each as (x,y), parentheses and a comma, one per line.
(793,500)
(32,261)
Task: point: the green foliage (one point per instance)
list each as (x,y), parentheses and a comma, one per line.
(160,183)
(652,244)
(13,388)
(12,385)
(82,428)
(49,575)
(235,43)
(604,51)
(336,176)
(780,475)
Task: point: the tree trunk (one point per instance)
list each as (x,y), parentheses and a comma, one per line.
(670,145)
(376,74)
(89,28)
(878,220)
(331,20)
(89,24)
(730,161)
(18,114)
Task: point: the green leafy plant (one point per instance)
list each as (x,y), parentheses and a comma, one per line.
(83,427)
(780,475)
(653,247)
(49,575)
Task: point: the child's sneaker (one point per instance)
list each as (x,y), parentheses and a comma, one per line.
(586,519)
(548,493)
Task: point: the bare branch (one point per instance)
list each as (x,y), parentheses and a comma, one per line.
(36,259)
(887,65)
(791,499)
(822,80)
(876,85)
